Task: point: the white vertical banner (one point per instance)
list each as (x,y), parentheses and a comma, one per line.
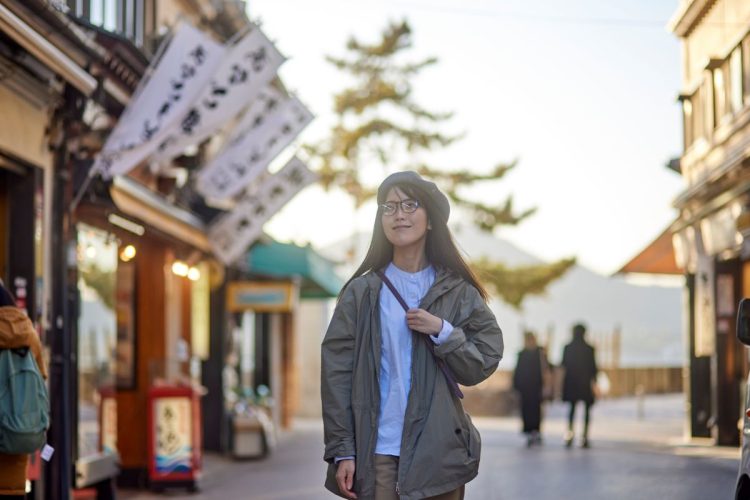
(250,64)
(265,105)
(234,232)
(268,129)
(178,77)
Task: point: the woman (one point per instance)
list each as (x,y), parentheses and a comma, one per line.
(16,330)
(393,422)
(529,380)
(579,362)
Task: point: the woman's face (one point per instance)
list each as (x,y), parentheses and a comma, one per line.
(404,229)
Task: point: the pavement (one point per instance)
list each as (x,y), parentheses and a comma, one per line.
(638,435)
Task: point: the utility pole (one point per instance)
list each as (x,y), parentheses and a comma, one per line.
(62,327)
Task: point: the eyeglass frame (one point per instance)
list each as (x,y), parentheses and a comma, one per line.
(385,208)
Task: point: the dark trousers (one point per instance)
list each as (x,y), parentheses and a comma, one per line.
(586,418)
(531,413)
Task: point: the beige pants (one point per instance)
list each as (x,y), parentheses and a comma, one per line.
(386,472)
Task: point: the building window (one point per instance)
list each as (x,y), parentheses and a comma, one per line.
(687,122)
(707,99)
(745,50)
(720,94)
(125,17)
(97,336)
(735,80)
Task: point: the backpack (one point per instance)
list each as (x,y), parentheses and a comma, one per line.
(24,404)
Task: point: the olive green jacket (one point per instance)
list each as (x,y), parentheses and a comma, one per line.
(440,446)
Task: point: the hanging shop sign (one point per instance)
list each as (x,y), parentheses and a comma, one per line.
(261,296)
(248,67)
(158,107)
(200,313)
(705,307)
(249,154)
(234,232)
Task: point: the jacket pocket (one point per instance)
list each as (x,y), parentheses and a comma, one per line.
(474,440)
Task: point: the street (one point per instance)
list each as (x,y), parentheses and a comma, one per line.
(630,458)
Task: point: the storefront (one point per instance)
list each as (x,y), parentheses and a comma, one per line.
(25,166)
(260,362)
(143,322)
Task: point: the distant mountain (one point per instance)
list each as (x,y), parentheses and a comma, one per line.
(649,317)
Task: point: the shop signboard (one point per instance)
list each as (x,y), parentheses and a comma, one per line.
(261,296)
(173,445)
(174,438)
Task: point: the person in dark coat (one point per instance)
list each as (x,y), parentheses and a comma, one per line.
(579,362)
(528,380)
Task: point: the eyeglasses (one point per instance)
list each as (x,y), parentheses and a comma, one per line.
(407,207)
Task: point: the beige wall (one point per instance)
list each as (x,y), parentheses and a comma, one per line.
(168,12)
(311,325)
(714,36)
(22,127)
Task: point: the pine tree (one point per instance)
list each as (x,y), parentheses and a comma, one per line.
(379,122)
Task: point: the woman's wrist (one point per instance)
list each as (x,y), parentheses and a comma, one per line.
(439,329)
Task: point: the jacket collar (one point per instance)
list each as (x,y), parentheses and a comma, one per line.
(445,280)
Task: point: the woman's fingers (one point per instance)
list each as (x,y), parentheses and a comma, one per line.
(345,477)
(421,321)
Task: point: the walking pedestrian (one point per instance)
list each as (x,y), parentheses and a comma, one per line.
(532,380)
(579,362)
(16,332)
(394,425)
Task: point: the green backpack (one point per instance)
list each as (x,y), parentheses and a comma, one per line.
(24,405)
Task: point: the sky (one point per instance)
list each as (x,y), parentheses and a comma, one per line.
(582,93)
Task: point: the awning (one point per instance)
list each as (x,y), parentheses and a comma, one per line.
(140,202)
(37,44)
(657,258)
(284,260)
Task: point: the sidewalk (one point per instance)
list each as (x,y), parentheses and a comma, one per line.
(658,421)
(296,468)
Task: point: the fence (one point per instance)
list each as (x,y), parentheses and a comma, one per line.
(496,397)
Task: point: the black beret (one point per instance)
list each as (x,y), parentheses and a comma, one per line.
(411,178)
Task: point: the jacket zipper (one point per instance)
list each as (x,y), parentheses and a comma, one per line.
(398,492)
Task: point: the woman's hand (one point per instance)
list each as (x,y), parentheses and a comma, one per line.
(345,477)
(421,321)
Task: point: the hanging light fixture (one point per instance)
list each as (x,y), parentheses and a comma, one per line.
(127,253)
(194,274)
(180,268)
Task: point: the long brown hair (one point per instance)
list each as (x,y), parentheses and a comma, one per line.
(440,248)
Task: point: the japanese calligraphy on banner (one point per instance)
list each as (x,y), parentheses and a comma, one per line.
(266,103)
(180,74)
(269,126)
(248,67)
(238,229)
